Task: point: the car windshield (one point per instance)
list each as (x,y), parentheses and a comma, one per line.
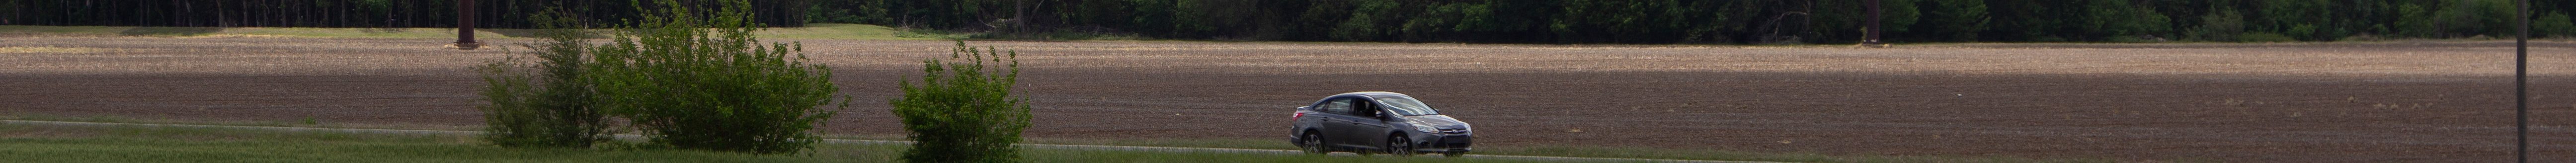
(1407,106)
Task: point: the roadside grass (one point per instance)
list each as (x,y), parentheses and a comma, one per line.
(306,122)
(185,144)
(1277,144)
(1280,144)
(1588,151)
(812,31)
(81,144)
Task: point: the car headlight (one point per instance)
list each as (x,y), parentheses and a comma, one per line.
(1426,128)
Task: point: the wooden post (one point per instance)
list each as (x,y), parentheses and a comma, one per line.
(465,26)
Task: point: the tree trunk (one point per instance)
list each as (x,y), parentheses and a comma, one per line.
(465,25)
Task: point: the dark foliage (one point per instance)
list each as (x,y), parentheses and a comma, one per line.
(552,108)
(1713,21)
(344,13)
(703,82)
(1492,21)
(962,110)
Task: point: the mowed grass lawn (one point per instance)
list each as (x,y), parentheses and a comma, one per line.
(120,144)
(1592,151)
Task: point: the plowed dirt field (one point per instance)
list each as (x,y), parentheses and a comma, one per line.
(2427,101)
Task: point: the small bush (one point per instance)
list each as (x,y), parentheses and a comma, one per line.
(690,89)
(2264,37)
(2554,25)
(2362,37)
(2222,26)
(548,109)
(963,111)
(2478,17)
(2416,21)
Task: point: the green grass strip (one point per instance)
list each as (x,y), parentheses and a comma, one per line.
(84,144)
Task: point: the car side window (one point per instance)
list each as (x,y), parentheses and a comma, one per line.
(1363,108)
(1338,106)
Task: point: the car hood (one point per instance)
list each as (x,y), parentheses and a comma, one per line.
(1442,121)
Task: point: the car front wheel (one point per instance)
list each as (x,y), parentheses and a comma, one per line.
(1399,146)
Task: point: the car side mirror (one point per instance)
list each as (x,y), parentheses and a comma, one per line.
(1382,114)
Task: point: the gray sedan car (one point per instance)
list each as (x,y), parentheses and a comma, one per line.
(1377,122)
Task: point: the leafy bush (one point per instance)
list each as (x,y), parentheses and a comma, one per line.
(2303,31)
(1953,20)
(2265,37)
(2478,17)
(552,109)
(509,114)
(2222,26)
(2117,19)
(1368,21)
(2554,25)
(2415,21)
(690,89)
(963,111)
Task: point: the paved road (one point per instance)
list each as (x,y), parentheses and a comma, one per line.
(857,141)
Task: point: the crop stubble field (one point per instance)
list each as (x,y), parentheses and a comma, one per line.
(2432,101)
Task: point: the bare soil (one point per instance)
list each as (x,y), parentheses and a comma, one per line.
(2423,101)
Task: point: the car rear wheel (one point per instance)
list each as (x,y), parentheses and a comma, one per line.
(1314,143)
(1399,146)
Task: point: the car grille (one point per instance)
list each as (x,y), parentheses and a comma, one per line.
(1453,131)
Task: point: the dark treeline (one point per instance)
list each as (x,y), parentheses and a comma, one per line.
(1498,21)
(338,13)
(1719,21)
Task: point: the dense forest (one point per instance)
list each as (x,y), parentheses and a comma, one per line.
(340,13)
(1719,21)
(1495,21)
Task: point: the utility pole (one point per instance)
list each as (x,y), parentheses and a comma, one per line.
(2521,84)
(465,26)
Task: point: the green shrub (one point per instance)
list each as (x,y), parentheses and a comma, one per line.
(2416,21)
(507,114)
(2478,17)
(687,88)
(1955,20)
(2221,26)
(2554,25)
(963,111)
(2265,37)
(2303,31)
(551,109)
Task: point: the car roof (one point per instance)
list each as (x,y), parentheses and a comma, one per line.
(1372,94)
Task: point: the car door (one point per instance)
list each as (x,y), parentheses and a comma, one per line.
(1366,127)
(1337,121)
